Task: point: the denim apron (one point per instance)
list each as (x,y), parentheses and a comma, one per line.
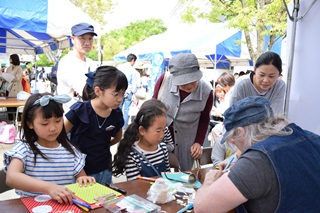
(149,170)
(295,159)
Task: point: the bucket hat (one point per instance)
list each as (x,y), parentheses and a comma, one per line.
(184,68)
(252,109)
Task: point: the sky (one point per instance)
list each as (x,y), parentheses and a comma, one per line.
(131,11)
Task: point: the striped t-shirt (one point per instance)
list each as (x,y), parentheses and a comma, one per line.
(133,165)
(167,139)
(60,166)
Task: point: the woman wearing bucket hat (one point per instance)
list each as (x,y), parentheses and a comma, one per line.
(278,170)
(264,81)
(189,101)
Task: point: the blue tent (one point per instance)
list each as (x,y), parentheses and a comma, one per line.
(212,42)
(35,27)
(215,43)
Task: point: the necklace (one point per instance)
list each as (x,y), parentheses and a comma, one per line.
(100,126)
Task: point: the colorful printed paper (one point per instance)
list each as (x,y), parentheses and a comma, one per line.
(44,203)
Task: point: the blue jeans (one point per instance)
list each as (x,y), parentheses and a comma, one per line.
(103,177)
(125,106)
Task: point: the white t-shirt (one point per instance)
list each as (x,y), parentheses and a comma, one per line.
(71,77)
(130,73)
(144,80)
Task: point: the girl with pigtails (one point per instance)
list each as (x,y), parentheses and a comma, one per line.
(141,151)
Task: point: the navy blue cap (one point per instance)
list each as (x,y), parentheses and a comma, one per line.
(90,78)
(82,28)
(247,111)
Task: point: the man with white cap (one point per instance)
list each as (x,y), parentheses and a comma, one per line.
(73,67)
(278,170)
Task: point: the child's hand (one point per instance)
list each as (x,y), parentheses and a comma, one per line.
(60,193)
(83,180)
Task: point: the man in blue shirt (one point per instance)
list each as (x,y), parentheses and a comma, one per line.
(128,69)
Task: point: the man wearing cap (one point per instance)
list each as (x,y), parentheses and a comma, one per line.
(278,170)
(189,100)
(73,67)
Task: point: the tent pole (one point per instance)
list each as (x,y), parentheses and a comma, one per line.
(215,59)
(296,7)
(35,67)
(99,52)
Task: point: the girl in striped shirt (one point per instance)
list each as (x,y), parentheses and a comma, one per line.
(44,160)
(141,151)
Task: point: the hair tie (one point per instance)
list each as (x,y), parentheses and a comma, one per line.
(44,100)
(140,120)
(90,78)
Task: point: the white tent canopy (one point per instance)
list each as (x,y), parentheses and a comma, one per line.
(35,27)
(211,42)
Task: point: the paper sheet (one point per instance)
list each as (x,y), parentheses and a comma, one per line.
(44,203)
(89,193)
(8,77)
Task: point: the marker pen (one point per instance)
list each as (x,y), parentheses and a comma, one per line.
(82,207)
(229,163)
(146,178)
(78,202)
(116,188)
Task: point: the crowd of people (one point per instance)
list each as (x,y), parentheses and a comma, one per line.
(90,113)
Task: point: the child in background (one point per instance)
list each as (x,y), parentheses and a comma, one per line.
(44,160)
(141,151)
(96,123)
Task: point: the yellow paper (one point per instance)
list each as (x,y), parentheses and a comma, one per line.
(89,193)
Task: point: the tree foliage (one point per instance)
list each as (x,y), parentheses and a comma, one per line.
(96,9)
(118,40)
(256,18)
(44,61)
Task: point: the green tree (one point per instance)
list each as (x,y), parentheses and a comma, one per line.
(256,18)
(44,61)
(118,40)
(96,9)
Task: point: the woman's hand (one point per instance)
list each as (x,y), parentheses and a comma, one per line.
(196,151)
(83,180)
(60,193)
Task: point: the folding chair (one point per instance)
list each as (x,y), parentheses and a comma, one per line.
(206,156)
(17,121)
